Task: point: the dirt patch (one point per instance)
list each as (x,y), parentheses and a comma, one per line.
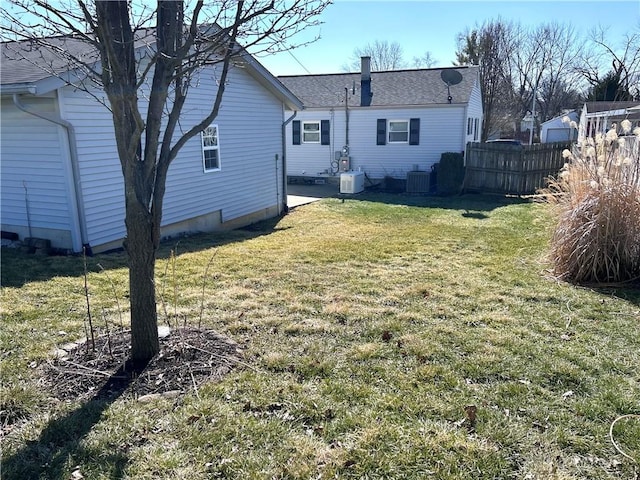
(188,358)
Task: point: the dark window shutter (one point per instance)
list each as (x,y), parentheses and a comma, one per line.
(324,132)
(381,137)
(296,132)
(414,131)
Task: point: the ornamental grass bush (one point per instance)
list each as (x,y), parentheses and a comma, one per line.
(597,199)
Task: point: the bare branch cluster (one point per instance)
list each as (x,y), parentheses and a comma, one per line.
(386,56)
(546,69)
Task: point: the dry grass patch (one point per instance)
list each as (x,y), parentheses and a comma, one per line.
(367,327)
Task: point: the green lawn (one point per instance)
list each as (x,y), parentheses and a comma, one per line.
(367,327)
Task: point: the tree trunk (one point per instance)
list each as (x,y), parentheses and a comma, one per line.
(141,245)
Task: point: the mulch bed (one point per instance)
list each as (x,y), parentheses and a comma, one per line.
(188,358)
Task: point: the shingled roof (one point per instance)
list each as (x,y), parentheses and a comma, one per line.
(391,88)
(30,61)
(29,65)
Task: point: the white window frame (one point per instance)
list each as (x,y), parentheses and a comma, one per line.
(210,147)
(389,132)
(304,132)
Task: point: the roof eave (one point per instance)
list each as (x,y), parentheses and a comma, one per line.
(271,83)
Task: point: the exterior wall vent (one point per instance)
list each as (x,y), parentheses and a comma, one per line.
(418,182)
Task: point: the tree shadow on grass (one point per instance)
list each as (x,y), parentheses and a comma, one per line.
(61,440)
(468,202)
(19,268)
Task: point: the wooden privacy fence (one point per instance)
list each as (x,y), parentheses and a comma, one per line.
(513,169)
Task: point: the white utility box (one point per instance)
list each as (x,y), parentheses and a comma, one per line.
(351,182)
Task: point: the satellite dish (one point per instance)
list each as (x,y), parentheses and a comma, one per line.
(450,77)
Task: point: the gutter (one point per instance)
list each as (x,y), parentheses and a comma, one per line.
(75,170)
(19,88)
(285,206)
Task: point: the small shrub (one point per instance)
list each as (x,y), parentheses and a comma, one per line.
(597,195)
(450,173)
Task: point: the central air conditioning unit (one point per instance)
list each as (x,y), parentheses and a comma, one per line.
(418,182)
(351,182)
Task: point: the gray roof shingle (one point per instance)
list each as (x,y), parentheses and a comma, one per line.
(28,61)
(390,88)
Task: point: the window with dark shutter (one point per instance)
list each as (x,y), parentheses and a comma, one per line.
(324,132)
(414,131)
(381,137)
(296,132)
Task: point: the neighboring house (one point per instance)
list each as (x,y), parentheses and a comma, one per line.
(558,130)
(62,179)
(382,123)
(598,117)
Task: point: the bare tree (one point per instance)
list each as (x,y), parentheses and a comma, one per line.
(541,68)
(490,46)
(602,62)
(182,41)
(384,56)
(558,83)
(522,70)
(425,61)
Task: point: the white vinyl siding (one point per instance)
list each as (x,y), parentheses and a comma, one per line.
(474,115)
(99,166)
(251,179)
(34,152)
(442,129)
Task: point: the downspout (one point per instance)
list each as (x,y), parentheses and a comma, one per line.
(75,171)
(346,115)
(285,207)
(465,123)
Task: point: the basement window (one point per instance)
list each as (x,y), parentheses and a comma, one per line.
(210,149)
(398,131)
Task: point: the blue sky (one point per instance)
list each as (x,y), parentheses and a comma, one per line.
(433,26)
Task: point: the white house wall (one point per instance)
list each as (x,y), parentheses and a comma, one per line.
(250,137)
(249,180)
(475,113)
(99,167)
(440,131)
(34,155)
